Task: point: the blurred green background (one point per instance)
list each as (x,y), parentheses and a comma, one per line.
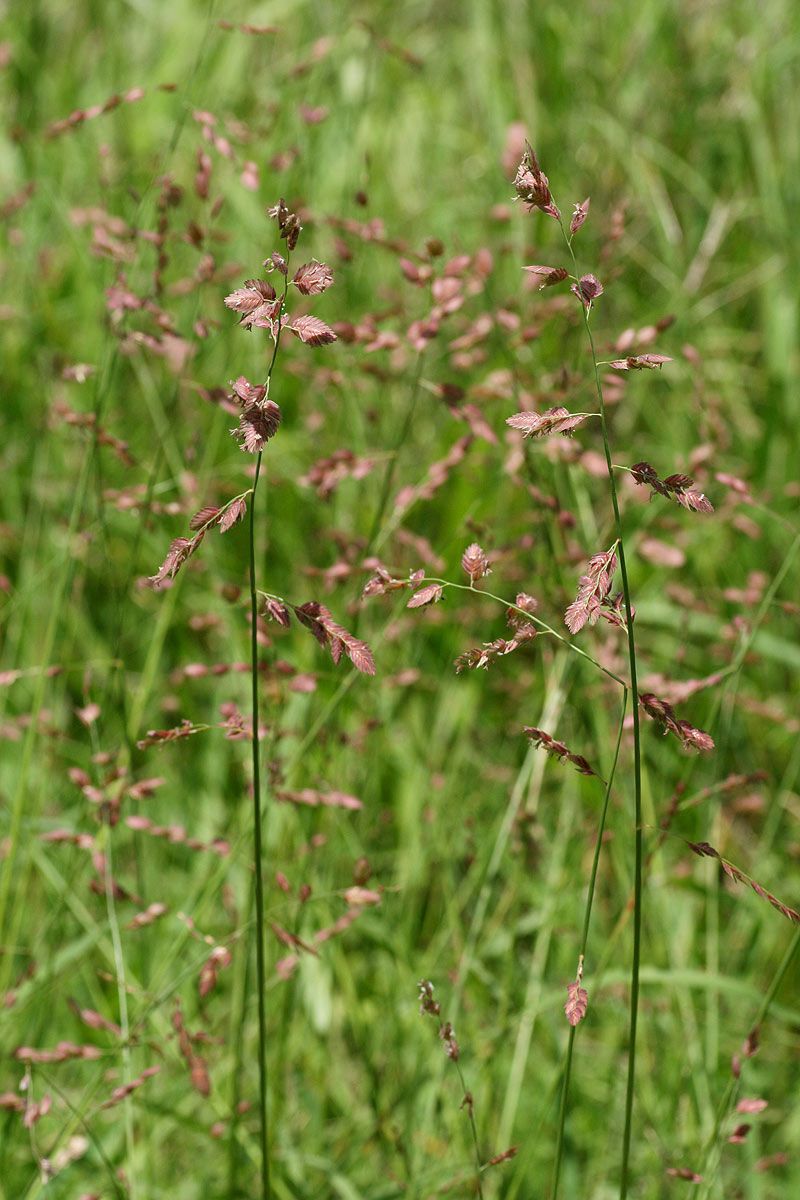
(680,121)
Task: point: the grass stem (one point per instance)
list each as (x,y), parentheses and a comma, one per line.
(258,833)
(258,865)
(637,756)
(587,916)
(468,1103)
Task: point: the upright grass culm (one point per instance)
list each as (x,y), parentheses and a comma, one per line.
(261,307)
(429,1006)
(532,187)
(587,916)
(586,291)
(258,848)
(593,600)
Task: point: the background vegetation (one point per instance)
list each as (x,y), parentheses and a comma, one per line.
(680,120)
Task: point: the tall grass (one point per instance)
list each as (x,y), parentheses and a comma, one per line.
(411,830)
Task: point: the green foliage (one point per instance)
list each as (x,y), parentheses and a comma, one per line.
(481,846)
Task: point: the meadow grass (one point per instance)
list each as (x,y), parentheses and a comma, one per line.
(481,847)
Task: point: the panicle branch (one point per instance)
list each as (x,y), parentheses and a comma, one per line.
(593,591)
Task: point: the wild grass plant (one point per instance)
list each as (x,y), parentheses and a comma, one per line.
(559,815)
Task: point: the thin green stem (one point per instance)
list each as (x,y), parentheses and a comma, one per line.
(122,1001)
(261,974)
(239,1007)
(375,540)
(587,916)
(471,1114)
(258,836)
(637,757)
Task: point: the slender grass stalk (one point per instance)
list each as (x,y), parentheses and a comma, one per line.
(376,536)
(122,993)
(430,1007)
(258,834)
(261,974)
(122,1001)
(238,1022)
(587,916)
(637,755)
(474,1128)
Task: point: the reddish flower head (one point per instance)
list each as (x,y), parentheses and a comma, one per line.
(532,186)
